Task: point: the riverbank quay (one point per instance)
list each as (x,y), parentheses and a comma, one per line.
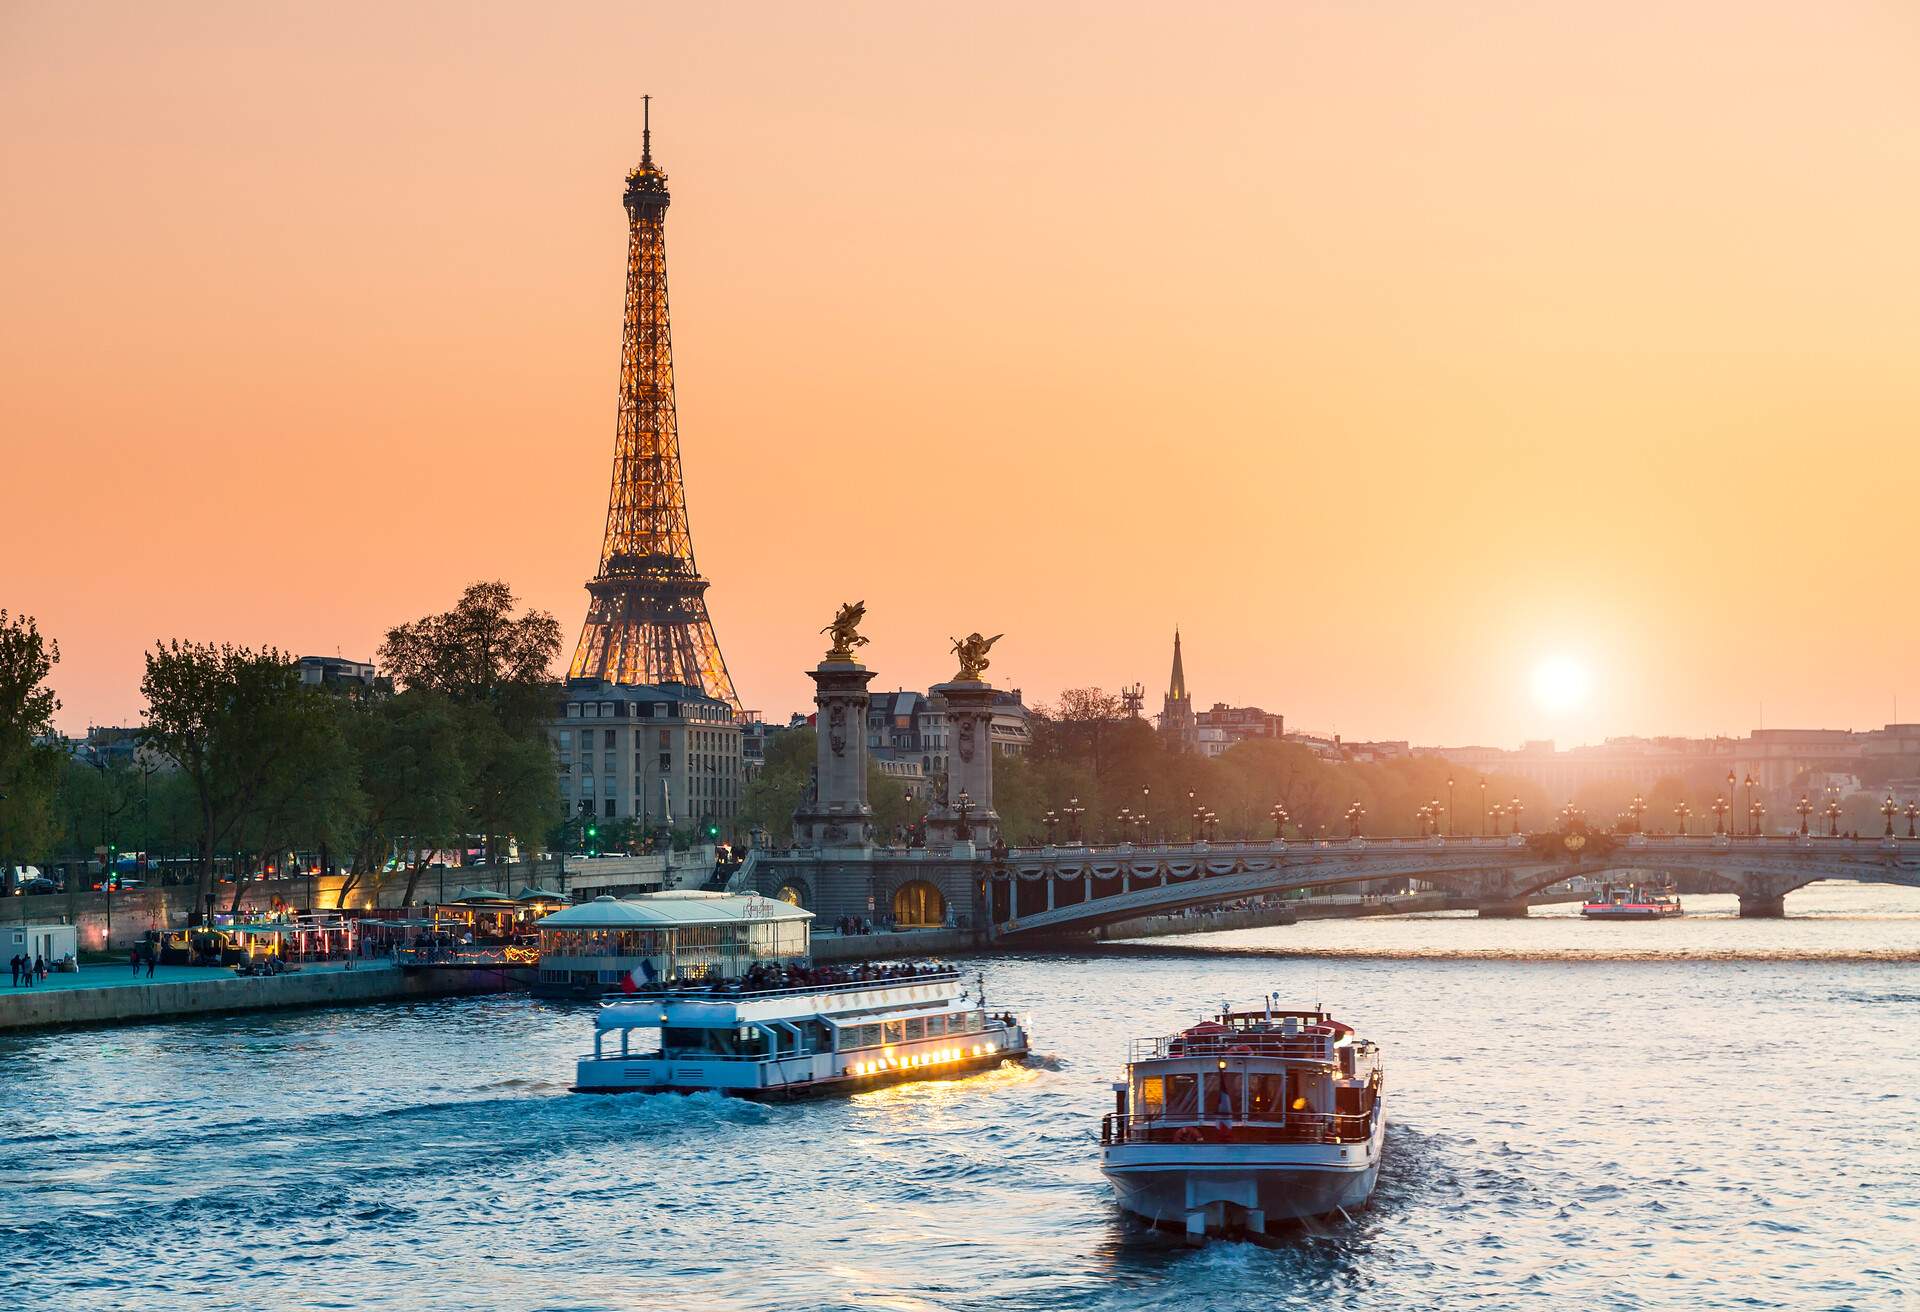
(106,995)
(829,946)
(1336,907)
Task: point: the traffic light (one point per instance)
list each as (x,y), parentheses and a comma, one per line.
(713,830)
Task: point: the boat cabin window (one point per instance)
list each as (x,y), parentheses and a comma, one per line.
(936,1026)
(1267,1094)
(894,1031)
(1225,1095)
(1153,1097)
(1183,1097)
(1298,1099)
(1346,1061)
(712,1042)
(860,1036)
(916,1028)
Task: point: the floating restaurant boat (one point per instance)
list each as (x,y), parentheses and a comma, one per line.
(723,998)
(1631,903)
(1238,1123)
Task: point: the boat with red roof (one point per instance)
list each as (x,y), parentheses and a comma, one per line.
(1246,1120)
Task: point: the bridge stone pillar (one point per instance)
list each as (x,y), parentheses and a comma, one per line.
(1762,905)
(1514,909)
(969,711)
(834,816)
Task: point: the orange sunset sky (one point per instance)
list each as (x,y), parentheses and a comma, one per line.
(1390,350)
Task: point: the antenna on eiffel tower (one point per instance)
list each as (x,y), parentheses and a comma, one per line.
(1133,697)
(646,130)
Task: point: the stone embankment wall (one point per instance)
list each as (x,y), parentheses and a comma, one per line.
(221,992)
(881,947)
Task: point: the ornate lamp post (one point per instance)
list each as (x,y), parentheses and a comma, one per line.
(1833,817)
(1213,826)
(1805,808)
(1513,808)
(1638,808)
(1499,813)
(1421,817)
(1279,817)
(1682,813)
(1732,784)
(1125,821)
(1913,812)
(1449,806)
(963,832)
(1050,820)
(1199,821)
(1354,813)
(1435,804)
(1073,811)
(1141,819)
(1756,813)
(1483,808)
(1719,810)
(1750,781)
(1889,809)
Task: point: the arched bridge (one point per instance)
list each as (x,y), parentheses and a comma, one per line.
(1055,890)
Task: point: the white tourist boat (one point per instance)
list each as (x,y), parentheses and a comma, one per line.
(722,997)
(1239,1123)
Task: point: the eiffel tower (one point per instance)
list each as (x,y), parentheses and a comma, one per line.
(647,622)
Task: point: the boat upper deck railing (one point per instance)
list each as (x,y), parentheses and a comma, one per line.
(1237,1043)
(736,990)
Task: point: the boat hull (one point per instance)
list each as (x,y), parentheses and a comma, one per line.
(1628,913)
(1218,1188)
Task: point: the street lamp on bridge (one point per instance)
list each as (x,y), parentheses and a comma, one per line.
(1514,807)
(1756,812)
(1681,814)
(1833,815)
(1213,826)
(1638,808)
(1422,815)
(1050,820)
(1354,813)
(1125,821)
(1141,819)
(1889,809)
(1279,817)
(1073,811)
(1499,811)
(1449,806)
(1913,811)
(1750,781)
(1805,808)
(1733,783)
(1720,808)
(1483,807)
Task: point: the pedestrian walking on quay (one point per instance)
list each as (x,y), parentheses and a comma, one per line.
(153,958)
(14,962)
(40,967)
(133,958)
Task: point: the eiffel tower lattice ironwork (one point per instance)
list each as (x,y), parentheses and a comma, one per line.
(647,622)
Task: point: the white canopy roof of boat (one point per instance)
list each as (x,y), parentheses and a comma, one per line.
(667,910)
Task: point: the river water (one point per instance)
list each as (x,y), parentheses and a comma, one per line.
(1703,1113)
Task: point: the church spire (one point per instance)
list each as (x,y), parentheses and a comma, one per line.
(1177,685)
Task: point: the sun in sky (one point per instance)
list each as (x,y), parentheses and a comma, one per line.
(1561,684)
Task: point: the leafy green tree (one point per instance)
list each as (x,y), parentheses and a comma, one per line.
(213,711)
(772,795)
(412,780)
(308,794)
(29,765)
(495,668)
(893,810)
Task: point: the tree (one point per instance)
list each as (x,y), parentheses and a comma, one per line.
(494,667)
(213,711)
(29,764)
(412,781)
(478,652)
(308,793)
(772,795)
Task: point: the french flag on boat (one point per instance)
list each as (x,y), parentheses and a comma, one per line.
(644,973)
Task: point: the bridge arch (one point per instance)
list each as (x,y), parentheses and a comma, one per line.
(795,892)
(918,904)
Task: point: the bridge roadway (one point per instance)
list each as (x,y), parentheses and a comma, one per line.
(1065,889)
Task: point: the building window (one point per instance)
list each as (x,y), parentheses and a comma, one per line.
(609,808)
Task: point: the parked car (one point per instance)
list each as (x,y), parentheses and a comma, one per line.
(37,884)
